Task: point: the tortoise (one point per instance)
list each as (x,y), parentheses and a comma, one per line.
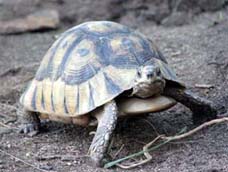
(103,70)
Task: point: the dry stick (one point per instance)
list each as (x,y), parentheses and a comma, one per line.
(50,157)
(6,126)
(16,69)
(166,139)
(148,122)
(118,151)
(146,153)
(110,164)
(204,86)
(18,159)
(206,124)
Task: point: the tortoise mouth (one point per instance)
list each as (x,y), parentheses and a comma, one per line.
(147,88)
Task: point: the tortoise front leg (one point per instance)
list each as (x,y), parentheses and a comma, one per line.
(107,119)
(31,123)
(202,109)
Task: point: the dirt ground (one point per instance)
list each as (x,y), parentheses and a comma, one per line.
(197,49)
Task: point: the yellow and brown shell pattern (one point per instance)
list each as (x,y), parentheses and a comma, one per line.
(89,65)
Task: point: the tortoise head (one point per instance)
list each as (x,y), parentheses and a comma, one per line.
(148,82)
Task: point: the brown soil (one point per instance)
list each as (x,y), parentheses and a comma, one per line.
(197,51)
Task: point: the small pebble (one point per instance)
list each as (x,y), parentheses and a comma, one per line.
(47,167)
(68,158)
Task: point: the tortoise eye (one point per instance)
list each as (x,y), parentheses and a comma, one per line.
(139,73)
(158,71)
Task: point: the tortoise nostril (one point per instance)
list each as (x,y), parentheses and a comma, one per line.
(158,72)
(139,73)
(150,75)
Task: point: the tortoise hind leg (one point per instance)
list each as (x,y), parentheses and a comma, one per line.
(31,123)
(107,119)
(202,109)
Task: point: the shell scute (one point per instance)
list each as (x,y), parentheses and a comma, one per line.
(88,66)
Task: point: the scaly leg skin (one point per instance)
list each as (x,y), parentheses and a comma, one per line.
(202,109)
(107,120)
(31,124)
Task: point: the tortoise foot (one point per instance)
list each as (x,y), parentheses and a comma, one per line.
(31,129)
(31,124)
(96,159)
(98,149)
(204,113)
(107,120)
(97,162)
(202,109)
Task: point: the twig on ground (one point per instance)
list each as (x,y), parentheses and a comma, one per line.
(137,141)
(146,154)
(18,159)
(148,122)
(7,126)
(117,153)
(165,140)
(206,124)
(48,157)
(16,69)
(11,71)
(110,164)
(204,86)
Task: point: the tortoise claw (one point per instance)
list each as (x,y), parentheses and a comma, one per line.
(31,129)
(98,162)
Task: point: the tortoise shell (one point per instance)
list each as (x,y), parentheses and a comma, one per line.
(89,65)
